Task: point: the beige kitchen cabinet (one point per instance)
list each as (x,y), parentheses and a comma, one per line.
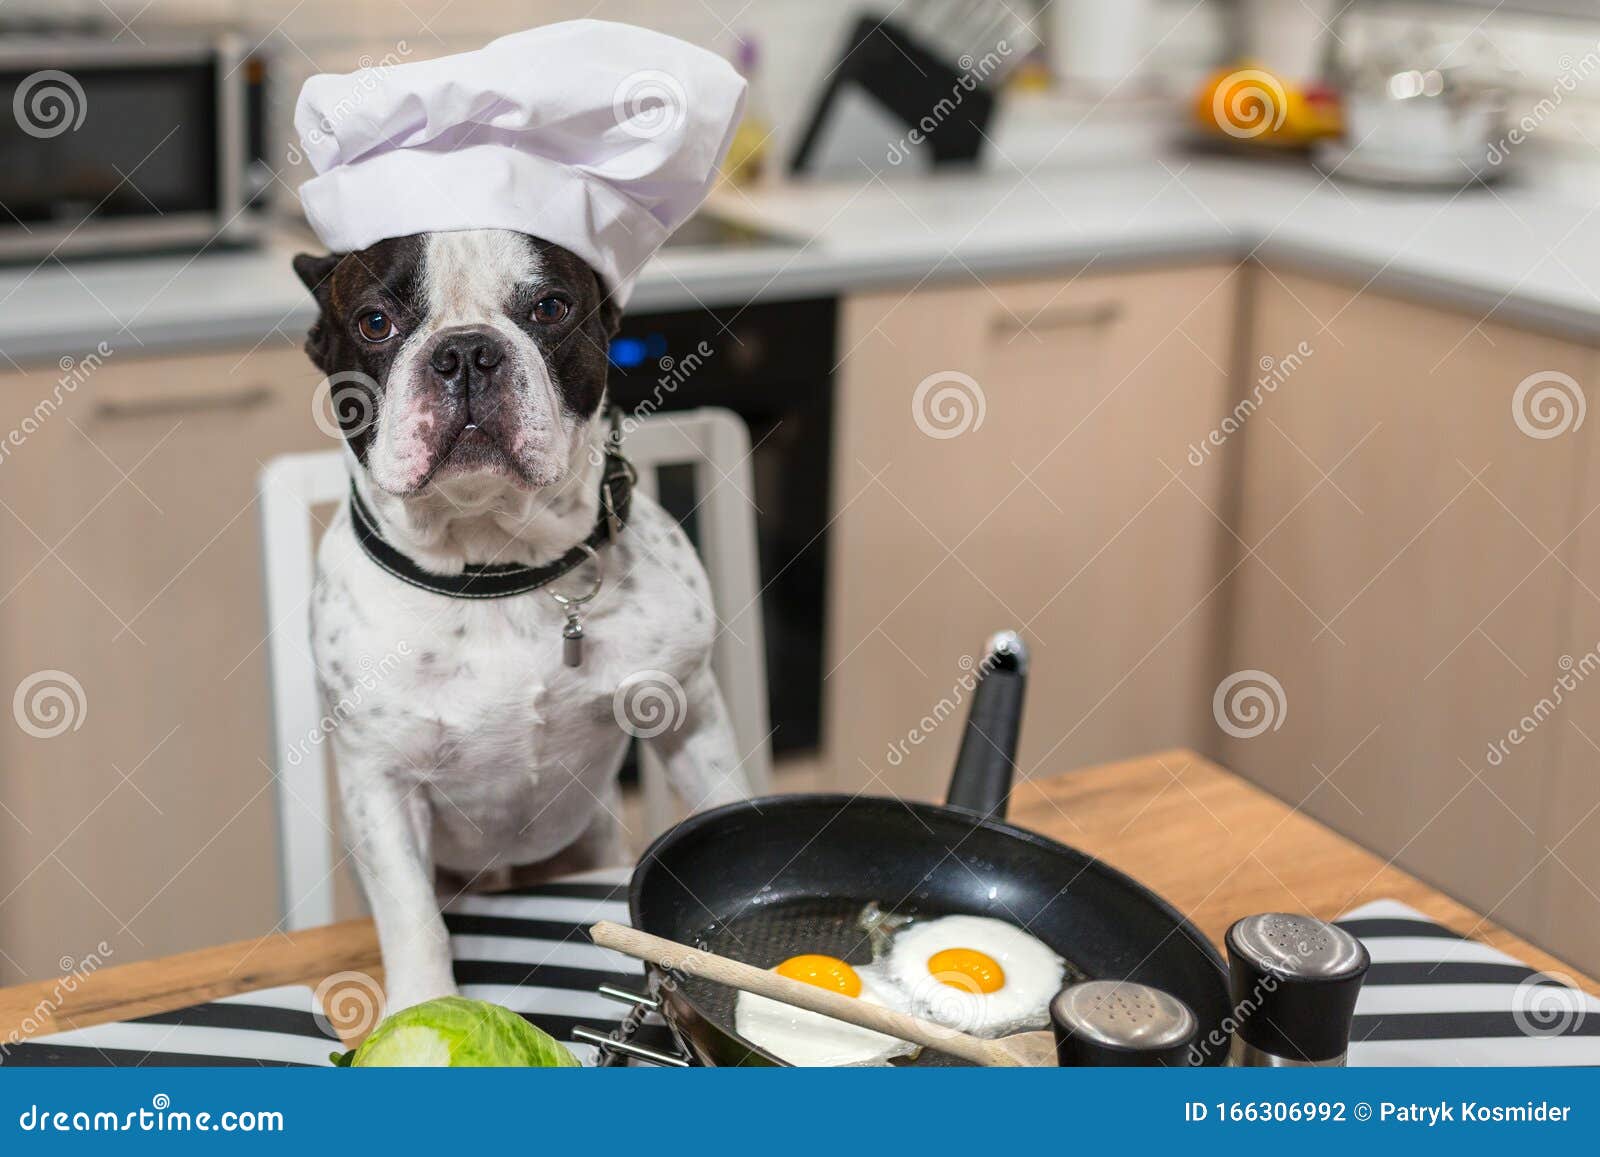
(1016,455)
(129,567)
(1406,545)
(1568,874)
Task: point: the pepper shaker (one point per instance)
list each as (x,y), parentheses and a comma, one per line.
(1293,981)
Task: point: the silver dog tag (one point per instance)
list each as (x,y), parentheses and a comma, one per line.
(572,641)
(572,605)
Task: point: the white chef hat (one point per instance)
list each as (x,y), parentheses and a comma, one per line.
(601,137)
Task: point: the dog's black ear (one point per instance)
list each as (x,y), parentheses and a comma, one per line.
(316,273)
(610,312)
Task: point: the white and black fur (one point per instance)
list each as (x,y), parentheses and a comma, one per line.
(474,434)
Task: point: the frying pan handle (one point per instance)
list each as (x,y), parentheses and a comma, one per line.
(982,779)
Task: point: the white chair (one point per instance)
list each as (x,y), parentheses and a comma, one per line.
(713,442)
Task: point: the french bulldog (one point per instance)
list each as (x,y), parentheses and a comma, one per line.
(469,380)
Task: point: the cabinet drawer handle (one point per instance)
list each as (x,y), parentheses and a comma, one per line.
(1098,314)
(233,401)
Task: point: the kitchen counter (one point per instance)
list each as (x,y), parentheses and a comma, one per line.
(1214,846)
(1523,254)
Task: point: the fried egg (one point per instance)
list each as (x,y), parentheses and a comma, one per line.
(809,1039)
(976,974)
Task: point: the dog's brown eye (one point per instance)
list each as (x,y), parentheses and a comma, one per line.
(375,325)
(549,310)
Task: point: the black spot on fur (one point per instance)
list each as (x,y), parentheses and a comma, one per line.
(384,276)
(575,350)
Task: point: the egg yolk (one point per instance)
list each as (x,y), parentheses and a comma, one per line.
(827,972)
(967,969)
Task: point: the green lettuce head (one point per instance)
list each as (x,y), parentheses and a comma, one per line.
(454,1032)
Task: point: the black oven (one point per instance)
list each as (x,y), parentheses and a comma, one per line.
(772,364)
(111,146)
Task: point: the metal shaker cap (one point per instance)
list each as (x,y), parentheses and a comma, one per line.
(1118,1022)
(1294,982)
(1298,947)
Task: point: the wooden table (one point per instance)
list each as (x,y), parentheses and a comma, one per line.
(1213,845)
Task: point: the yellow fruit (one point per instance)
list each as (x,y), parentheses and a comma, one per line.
(1250,103)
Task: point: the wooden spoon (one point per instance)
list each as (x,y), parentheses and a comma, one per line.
(1023,1049)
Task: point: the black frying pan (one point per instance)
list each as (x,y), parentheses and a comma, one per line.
(768,878)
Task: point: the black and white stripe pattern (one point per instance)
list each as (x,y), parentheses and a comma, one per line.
(272,1027)
(526,950)
(529,950)
(1433,998)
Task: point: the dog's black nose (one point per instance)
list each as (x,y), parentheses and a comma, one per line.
(466,359)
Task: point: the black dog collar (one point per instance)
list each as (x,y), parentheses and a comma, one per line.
(501,580)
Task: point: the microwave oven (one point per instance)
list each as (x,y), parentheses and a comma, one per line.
(110,147)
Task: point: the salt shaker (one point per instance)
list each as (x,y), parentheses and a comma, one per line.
(1117,1023)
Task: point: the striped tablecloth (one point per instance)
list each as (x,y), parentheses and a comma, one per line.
(1431,998)
(530,951)
(1434,998)
(270,1027)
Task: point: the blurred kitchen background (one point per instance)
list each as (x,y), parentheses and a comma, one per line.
(1235,352)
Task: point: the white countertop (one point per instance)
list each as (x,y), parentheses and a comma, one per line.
(1522,254)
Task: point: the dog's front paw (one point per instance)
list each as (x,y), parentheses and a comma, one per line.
(404,992)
